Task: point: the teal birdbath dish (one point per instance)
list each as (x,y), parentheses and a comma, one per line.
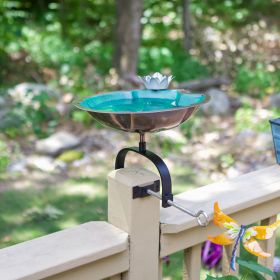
(151,110)
(142,110)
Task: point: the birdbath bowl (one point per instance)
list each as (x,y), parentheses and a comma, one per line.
(142,111)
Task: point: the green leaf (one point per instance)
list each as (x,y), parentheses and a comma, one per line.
(258,276)
(209,277)
(228,277)
(256,267)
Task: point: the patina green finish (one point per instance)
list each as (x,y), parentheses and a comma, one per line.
(142,110)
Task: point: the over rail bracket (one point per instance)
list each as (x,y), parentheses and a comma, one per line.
(166,197)
(160,165)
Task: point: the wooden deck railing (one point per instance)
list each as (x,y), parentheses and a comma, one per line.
(94,250)
(253,197)
(139,233)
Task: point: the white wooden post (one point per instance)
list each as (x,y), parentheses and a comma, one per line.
(139,218)
(115,277)
(192,263)
(268,246)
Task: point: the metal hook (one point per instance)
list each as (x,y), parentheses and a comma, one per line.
(201,216)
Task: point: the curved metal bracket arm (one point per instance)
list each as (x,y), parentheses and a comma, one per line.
(160,165)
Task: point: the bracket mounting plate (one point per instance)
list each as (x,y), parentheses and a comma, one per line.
(138,191)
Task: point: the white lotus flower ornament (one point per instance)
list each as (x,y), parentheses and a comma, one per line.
(156,81)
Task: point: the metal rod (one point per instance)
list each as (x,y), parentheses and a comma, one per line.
(142,137)
(201,216)
(142,143)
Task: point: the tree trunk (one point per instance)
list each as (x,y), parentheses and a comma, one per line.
(186,24)
(128,37)
(63,19)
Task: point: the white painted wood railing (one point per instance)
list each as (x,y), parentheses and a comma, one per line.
(253,197)
(139,233)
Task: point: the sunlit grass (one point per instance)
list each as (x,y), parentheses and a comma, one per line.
(78,201)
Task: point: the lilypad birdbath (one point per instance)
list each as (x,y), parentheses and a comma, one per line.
(153,109)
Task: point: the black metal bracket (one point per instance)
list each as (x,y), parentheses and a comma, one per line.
(153,189)
(138,191)
(160,165)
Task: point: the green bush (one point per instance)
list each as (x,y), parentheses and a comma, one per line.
(248,117)
(257,82)
(38,116)
(173,59)
(4,157)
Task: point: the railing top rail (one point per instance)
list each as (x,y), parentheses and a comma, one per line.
(62,251)
(233,195)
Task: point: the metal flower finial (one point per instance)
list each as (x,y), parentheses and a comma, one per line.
(156,81)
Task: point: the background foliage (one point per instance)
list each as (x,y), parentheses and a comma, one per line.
(70,45)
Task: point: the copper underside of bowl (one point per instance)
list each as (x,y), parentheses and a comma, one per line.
(146,121)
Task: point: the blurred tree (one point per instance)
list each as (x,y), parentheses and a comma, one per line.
(47,40)
(186,24)
(128,37)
